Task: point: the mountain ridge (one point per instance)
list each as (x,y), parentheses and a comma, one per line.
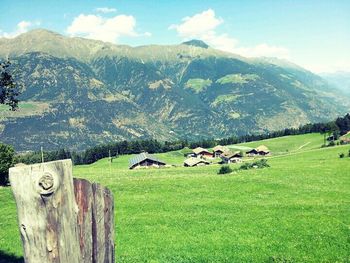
(98,92)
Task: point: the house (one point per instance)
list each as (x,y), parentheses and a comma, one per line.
(201,152)
(345,139)
(145,160)
(193,161)
(218,150)
(187,152)
(229,157)
(261,150)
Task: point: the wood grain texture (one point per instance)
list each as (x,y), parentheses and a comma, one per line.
(95,221)
(61,219)
(47,211)
(84,198)
(102,224)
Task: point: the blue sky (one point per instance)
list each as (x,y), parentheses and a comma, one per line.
(313,34)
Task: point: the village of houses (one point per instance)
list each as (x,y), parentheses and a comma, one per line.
(200,157)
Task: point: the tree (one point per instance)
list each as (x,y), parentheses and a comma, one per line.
(7,155)
(8,88)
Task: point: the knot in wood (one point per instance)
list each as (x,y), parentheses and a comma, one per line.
(46,182)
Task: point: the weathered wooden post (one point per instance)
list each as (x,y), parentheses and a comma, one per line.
(61,220)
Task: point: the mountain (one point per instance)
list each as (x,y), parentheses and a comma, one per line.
(340,79)
(79,92)
(196,43)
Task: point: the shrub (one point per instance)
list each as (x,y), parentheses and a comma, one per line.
(245,166)
(341,155)
(349,153)
(262,163)
(225,169)
(331,143)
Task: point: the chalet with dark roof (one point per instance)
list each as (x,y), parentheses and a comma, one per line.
(231,157)
(262,150)
(145,159)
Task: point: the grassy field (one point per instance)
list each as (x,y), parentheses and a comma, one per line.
(24,109)
(298,210)
(286,144)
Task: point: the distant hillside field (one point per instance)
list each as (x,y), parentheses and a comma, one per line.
(297,210)
(87,92)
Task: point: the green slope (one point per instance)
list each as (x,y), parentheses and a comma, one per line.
(295,211)
(286,144)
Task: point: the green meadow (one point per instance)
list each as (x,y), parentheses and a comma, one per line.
(297,210)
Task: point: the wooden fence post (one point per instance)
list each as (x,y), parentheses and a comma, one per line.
(61,221)
(95,221)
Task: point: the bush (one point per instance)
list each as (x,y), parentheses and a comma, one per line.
(349,153)
(341,155)
(262,163)
(6,161)
(331,144)
(245,166)
(225,169)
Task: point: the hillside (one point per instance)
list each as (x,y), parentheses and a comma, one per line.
(339,79)
(294,211)
(80,92)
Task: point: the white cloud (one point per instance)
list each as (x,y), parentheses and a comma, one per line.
(105,10)
(204,26)
(197,25)
(263,50)
(334,66)
(21,28)
(105,29)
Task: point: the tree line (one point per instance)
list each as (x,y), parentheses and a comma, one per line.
(336,128)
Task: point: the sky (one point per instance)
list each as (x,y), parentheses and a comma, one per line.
(312,34)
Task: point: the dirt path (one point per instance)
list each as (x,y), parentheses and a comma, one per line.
(303,146)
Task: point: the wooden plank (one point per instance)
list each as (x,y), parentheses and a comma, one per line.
(109,225)
(84,198)
(47,212)
(102,224)
(95,221)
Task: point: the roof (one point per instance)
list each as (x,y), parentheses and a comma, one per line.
(141,157)
(194,161)
(262,148)
(346,135)
(229,155)
(220,148)
(198,150)
(344,139)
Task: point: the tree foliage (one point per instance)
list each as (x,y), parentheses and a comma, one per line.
(7,155)
(343,123)
(8,88)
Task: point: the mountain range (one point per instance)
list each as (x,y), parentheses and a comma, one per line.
(340,79)
(77,93)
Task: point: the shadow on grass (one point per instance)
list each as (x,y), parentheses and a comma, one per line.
(9,258)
